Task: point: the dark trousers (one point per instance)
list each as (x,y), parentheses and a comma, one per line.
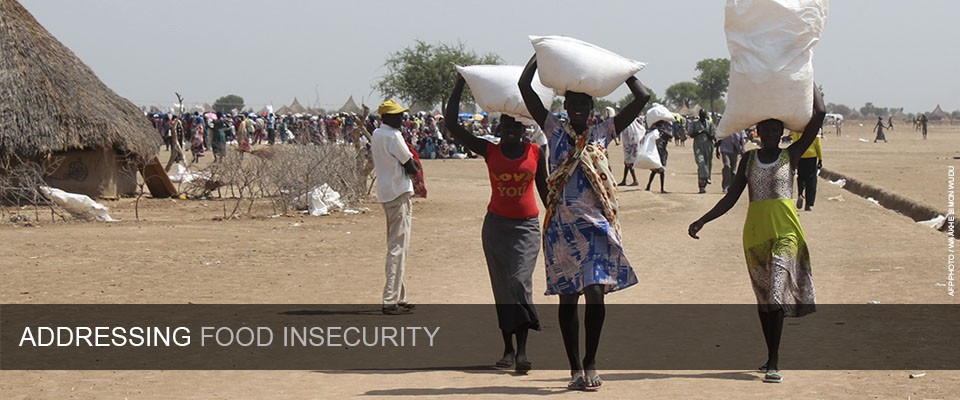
(729,168)
(807,180)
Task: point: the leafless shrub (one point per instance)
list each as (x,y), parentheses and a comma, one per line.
(282,174)
(293,171)
(20,182)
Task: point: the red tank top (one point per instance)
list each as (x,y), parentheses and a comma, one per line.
(511,182)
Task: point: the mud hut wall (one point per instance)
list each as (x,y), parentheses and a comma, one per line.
(98,173)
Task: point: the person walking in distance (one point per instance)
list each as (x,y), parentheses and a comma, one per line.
(704,134)
(810,162)
(879,130)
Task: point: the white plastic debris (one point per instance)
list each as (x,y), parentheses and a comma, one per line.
(862,139)
(873,302)
(934,223)
(839,182)
(78,205)
(920,375)
(321,200)
(182,175)
(872,200)
(837,198)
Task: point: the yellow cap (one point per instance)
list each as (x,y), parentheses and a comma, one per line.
(391,107)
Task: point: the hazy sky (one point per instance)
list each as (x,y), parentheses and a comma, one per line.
(891,53)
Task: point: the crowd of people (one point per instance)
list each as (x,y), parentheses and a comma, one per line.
(200,133)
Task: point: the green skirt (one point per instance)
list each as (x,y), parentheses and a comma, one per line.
(778,260)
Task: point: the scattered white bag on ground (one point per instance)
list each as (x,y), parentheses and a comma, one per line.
(185,176)
(565,63)
(78,205)
(322,200)
(934,223)
(658,113)
(179,174)
(495,89)
(771,61)
(648,157)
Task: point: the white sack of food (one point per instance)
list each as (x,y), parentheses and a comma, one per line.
(658,113)
(648,157)
(78,205)
(630,138)
(495,90)
(570,64)
(771,61)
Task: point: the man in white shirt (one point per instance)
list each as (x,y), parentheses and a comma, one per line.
(394,163)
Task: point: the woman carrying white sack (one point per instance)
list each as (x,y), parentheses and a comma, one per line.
(511,227)
(581,241)
(631,151)
(771,85)
(662,129)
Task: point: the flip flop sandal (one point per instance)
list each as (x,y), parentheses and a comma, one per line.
(577,383)
(773,377)
(523,367)
(505,362)
(593,383)
(763,368)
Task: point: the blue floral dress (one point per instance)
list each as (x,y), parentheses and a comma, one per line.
(580,246)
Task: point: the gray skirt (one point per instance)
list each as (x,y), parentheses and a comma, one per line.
(511,247)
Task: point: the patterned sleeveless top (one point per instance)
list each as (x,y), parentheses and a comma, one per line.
(770,181)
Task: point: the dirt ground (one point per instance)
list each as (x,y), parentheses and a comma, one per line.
(906,165)
(179,254)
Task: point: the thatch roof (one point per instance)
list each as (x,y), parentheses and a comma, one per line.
(351,107)
(50,101)
(296,107)
(937,114)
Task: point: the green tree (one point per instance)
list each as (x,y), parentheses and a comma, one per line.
(714,79)
(424,73)
(683,94)
(629,98)
(227,103)
(841,109)
(600,104)
(869,110)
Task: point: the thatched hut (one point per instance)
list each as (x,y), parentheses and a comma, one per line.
(937,114)
(55,110)
(351,107)
(296,107)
